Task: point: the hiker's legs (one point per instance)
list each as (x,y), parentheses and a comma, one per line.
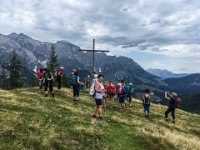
(51,88)
(130,100)
(99,107)
(111,100)
(146,110)
(76,92)
(59,79)
(95,111)
(40,84)
(46,88)
(122,102)
(100,111)
(173,113)
(123,106)
(167,112)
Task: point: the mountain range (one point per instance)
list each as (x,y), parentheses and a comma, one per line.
(164,74)
(35,54)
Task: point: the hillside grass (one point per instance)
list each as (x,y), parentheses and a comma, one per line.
(30,121)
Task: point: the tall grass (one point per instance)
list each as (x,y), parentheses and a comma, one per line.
(30,121)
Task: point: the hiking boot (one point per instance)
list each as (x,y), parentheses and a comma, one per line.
(100,118)
(173,121)
(46,95)
(53,95)
(94,116)
(166,119)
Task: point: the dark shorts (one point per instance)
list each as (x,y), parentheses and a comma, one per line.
(48,84)
(146,107)
(122,99)
(98,101)
(76,90)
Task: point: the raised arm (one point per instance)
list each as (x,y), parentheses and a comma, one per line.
(166,96)
(151,94)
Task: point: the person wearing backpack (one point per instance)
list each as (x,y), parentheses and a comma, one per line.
(146,98)
(40,75)
(110,91)
(122,94)
(172,105)
(59,77)
(75,82)
(48,84)
(99,92)
(130,93)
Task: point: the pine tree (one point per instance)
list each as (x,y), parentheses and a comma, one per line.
(3,83)
(53,65)
(15,71)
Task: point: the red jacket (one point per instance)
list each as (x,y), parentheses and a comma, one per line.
(110,88)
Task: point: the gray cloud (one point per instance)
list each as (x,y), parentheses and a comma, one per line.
(144,25)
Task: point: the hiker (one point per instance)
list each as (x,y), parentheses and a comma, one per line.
(40,75)
(59,77)
(75,82)
(122,94)
(49,79)
(87,82)
(130,93)
(172,105)
(99,92)
(110,92)
(70,81)
(147,102)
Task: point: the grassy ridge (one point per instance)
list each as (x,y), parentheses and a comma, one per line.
(30,121)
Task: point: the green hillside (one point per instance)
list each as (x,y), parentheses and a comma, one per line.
(30,121)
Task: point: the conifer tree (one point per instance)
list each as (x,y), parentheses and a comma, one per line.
(15,71)
(53,64)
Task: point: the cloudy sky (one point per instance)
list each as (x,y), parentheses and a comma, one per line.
(155,33)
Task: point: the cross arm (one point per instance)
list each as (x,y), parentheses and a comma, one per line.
(87,50)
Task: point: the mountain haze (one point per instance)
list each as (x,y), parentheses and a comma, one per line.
(164,74)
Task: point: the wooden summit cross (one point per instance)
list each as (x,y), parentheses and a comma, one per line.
(93,52)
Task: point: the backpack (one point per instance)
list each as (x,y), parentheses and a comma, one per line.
(121,90)
(146,99)
(92,88)
(130,90)
(111,89)
(177,102)
(72,79)
(59,72)
(40,74)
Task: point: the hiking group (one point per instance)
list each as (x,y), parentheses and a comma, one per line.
(103,92)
